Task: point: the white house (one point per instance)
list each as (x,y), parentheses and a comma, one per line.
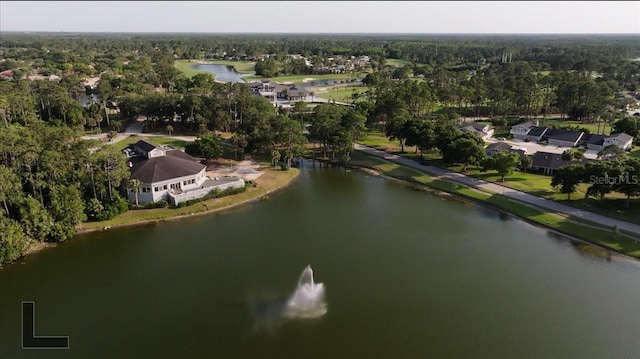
(519,131)
(478,129)
(621,140)
(169,174)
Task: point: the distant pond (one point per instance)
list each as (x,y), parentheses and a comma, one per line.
(223,73)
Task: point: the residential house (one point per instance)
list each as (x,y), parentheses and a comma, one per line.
(547,162)
(295,93)
(478,129)
(519,131)
(563,138)
(496,147)
(593,141)
(166,173)
(621,140)
(536,133)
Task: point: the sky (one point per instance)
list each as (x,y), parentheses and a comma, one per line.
(422,17)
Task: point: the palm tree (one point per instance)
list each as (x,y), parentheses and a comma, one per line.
(134,186)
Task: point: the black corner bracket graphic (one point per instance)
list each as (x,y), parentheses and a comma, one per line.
(29,338)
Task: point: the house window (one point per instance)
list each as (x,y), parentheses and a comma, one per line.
(156,189)
(165,186)
(144,189)
(184,183)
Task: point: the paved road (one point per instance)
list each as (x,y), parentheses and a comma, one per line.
(508,192)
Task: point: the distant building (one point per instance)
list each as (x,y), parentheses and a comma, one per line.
(621,140)
(519,131)
(547,162)
(563,138)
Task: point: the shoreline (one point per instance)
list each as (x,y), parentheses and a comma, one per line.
(466,199)
(39,246)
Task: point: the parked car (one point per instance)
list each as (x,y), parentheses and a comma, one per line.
(501,139)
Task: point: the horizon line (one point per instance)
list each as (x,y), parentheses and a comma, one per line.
(313,33)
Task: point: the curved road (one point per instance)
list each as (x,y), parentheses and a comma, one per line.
(545,204)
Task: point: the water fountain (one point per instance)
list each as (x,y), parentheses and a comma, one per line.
(308,299)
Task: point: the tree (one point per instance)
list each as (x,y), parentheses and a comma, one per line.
(629,183)
(13,241)
(525,162)
(568,178)
(503,162)
(111,135)
(465,149)
(134,185)
(628,125)
(611,152)
(603,177)
(275,156)
(572,154)
(208,145)
(169,129)
(240,142)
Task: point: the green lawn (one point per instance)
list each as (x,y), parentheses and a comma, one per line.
(184,66)
(396,62)
(635,152)
(341,94)
(300,78)
(592,127)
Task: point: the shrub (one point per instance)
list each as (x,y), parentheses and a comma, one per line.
(216,193)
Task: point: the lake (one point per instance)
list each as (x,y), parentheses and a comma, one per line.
(223,73)
(407,275)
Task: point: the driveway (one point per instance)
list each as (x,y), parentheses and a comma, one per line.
(542,203)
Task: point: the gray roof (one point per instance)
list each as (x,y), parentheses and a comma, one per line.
(478,126)
(145,146)
(499,146)
(471,129)
(552,160)
(297,91)
(537,131)
(622,136)
(548,160)
(593,139)
(173,164)
(564,135)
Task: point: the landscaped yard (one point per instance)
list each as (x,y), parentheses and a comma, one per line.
(592,127)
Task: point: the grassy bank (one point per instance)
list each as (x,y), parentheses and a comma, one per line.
(614,205)
(592,233)
(270,181)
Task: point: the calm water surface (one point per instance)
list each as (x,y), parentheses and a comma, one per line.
(223,73)
(407,275)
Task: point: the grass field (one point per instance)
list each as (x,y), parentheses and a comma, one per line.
(396,62)
(184,66)
(300,78)
(341,94)
(601,236)
(592,127)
